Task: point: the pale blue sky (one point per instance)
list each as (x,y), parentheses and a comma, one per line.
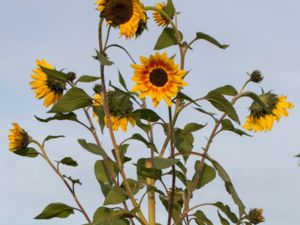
(263,34)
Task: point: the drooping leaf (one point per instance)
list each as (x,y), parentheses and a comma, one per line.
(140,138)
(170,9)
(92,148)
(166,39)
(227,125)
(57,75)
(74,99)
(58,210)
(222,219)
(203,36)
(147,114)
(59,116)
(208,175)
(51,137)
(256,99)
(27,152)
(184,142)
(101,172)
(183,96)
(226,210)
(68,161)
(122,81)
(201,218)
(222,104)
(163,163)
(227,90)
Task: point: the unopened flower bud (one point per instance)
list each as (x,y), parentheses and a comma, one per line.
(256,76)
(255,216)
(71,76)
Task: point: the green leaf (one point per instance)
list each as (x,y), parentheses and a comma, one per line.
(57,75)
(192,127)
(223,220)
(58,210)
(104,60)
(228,126)
(75,98)
(101,172)
(222,104)
(207,176)
(87,79)
(183,96)
(92,148)
(166,39)
(115,196)
(228,184)
(227,90)
(184,142)
(170,9)
(147,114)
(59,116)
(257,99)
(202,36)
(134,185)
(163,163)
(51,137)
(226,209)
(122,81)
(143,172)
(201,218)
(140,138)
(27,152)
(68,161)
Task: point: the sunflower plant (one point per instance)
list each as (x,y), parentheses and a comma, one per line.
(164,180)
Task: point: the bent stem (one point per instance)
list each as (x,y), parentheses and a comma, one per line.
(71,190)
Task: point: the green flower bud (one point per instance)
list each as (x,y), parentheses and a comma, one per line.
(255,216)
(256,76)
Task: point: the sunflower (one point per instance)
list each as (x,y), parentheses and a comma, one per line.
(255,216)
(128,15)
(44,86)
(261,120)
(158,18)
(18,138)
(117,119)
(158,77)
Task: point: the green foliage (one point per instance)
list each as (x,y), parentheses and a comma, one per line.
(140,138)
(59,116)
(147,114)
(54,74)
(166,39)
(226,209)
(107,216)
(223,220)
(116,195)
(162,163)
(202,36)
(51,137)
(227,90)
(102,174)
(228,126)
(92,148)
(74,99)
(58,210)
(208,175)
(143,172)
(170,9)
(87,79)
(104,59)
(68,161)
(27,152)
(201,218)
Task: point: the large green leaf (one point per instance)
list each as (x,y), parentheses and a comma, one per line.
(226,209)
(59,116)
(58,210)
(170,9)
(192,127)
(147,114)
(166,39)
(227,125)
(227,90)
(27,152)
(206,37)
(92,148)
(201,218)
(184,142)
(101,172)
(57,75)
(207,176)
(74,99)
(257,99)
(163,163)
(143,172)
(115,196)
(223,220)
(222,104)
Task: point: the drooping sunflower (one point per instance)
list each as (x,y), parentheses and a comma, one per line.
(44,86)
(262,120)
(128,15)
(158,18)
(118,118)
(159,77)
(18,138)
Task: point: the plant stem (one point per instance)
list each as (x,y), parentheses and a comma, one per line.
(151,194)
(72,191)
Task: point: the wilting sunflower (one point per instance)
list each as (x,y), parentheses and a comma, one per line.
(116,118)
(262,120)
(128,15)
(158,77)
(158,18)
(44,86)
(18,138)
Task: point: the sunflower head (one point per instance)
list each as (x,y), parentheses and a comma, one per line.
(128,15)
(44,86)
(18,138)
(158,18)
(263,120)
(255,216)
(159,77)
(120,108)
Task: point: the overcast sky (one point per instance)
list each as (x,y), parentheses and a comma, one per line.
(263,34)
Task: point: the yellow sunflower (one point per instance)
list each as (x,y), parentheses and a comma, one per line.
(117,121)
(159,77)
(128,15)
(260,120)
(158,18)
(18,138)
(44,86)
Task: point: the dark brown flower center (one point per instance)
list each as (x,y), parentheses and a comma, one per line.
(118,11)
(158,77)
